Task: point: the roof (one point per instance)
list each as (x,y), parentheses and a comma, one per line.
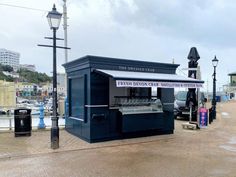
(232,74)
(160,79)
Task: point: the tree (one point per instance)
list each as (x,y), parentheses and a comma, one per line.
(7,68)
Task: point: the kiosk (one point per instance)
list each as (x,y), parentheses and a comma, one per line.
(117,98)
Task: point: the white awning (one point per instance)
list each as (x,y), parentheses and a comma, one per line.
(144,79)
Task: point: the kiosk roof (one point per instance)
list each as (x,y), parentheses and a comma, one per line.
(160,79)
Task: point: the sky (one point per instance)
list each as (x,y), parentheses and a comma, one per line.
(149,30)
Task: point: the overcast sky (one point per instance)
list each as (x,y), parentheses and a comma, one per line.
(152,30)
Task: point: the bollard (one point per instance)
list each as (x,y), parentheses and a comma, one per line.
(10,119)
(41,118)
(10,124)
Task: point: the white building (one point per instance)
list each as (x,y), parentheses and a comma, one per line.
(12,74)
(47,89)
(28,67)
(61,79)
(11,58)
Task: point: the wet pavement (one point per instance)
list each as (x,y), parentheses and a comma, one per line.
(186,153)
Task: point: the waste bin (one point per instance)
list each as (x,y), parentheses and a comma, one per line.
(23,122)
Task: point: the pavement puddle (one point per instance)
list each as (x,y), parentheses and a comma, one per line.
(231,147)
(225,115)
(232,140)
(228,148)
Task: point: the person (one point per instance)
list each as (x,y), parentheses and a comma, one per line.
(191,102)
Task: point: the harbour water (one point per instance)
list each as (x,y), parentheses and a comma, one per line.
(7,122)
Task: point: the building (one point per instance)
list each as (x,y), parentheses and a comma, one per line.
(230,89)
(111,98)
(12,74)
(28,67)
(61,80)
(232,79)
(61,83)
(7,94)
(47,89)
(10,58)
(26,89)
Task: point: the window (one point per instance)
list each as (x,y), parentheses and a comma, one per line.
(139,92)
(77,92)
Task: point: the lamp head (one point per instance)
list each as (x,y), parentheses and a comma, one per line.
(215,62)
(54,18)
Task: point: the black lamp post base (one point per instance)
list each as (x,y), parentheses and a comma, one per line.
(214,114)
(54,137)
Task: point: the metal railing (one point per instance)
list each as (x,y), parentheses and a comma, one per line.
(7,122)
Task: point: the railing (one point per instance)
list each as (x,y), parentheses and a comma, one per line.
(7,122)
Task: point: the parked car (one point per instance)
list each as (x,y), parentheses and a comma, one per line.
(180,108)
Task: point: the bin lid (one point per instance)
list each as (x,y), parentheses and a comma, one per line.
(22,111)
(22,108)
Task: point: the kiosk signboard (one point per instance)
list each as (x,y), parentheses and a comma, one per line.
(147,84)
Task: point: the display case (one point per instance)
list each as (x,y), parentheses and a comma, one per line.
(138,105)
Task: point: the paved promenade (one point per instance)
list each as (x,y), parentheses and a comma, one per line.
(187,153)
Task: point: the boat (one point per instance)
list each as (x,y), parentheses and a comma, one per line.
(2,112)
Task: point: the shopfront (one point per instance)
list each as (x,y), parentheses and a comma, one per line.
(116,98)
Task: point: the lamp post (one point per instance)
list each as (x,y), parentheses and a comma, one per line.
(54,19)
(213,103)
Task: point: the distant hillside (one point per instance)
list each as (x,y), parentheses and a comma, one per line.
(33,77)
(6,78)
(24,75)
(8,69)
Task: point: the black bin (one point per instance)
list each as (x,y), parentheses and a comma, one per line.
(23,122)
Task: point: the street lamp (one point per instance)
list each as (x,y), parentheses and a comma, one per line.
(213,103)
(54,19)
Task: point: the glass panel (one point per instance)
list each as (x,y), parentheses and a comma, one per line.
(55,23)
(138,105)
(76,97)
(181,95)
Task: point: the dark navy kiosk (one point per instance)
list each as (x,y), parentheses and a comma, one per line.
(117,98)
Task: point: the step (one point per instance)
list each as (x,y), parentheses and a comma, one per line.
(188,125)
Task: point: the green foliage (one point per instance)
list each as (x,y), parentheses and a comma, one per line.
(6,68)
(6,78)
(33,77)
(25,75)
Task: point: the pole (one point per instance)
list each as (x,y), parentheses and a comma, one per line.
(198,74)
(65,29)
(191,111)
(65,41)
(54,129)
(214,94)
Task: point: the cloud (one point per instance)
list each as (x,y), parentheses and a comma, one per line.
(210,22)
(153,30)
